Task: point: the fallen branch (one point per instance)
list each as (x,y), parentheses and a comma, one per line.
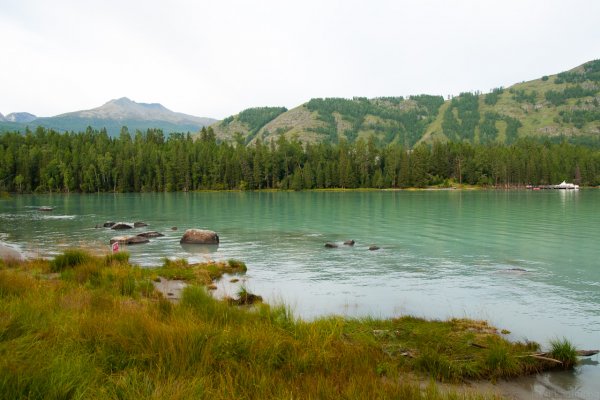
(587,353)
(541,357)
(580,353)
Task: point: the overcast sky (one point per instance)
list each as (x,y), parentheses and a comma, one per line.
(216,58)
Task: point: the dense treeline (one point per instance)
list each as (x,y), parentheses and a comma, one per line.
(91,161)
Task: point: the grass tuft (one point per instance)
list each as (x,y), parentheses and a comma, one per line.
(563,350)
(237,266)
(121,257)
(69,259)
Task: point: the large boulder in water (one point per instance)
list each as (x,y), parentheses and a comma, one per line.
(199,236)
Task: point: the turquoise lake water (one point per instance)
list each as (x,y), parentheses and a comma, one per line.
(526,261)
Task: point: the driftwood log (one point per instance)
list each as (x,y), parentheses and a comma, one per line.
(546,356)
(587,353)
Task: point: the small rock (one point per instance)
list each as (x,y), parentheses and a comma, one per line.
(373,248)
(330,245)
(129,240)
(139,224)
(137,240)
(174,228)
(45,208)
(245,300)
(108,224)
(349,242)
(120,239)
(121,226)
(151,234)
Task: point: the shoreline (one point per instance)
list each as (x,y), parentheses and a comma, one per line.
(464,187)
(518,388)
(8,253)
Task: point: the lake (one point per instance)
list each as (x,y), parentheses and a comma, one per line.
(527,261)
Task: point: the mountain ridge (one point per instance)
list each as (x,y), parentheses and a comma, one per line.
(115,114)
(561,105)
(564,105)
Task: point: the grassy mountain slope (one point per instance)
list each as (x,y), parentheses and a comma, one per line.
(248,123)
(386,119)
(556,106)
(563,105)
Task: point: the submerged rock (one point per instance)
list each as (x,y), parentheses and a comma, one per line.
(200,248)
(109,224)
(45,208)
(199,236)
(139,224)
(349,242)
(330,245)
(373,248)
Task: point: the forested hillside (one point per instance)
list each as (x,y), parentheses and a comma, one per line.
(247,123)
(92,161)
(562,106)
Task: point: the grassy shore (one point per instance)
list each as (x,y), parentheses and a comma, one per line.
(82,326)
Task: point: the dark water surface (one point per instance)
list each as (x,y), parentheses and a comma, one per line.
(527,261)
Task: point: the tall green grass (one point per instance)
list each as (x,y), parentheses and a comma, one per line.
(563,350)
(99,331)
(69,259)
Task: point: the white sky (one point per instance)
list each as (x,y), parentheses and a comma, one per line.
(216,58)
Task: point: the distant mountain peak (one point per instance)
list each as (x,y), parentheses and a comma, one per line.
(125,105)
(20,117)
(121,101)
(123,111)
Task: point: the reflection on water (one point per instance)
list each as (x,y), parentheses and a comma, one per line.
(526,261)
(200,248)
